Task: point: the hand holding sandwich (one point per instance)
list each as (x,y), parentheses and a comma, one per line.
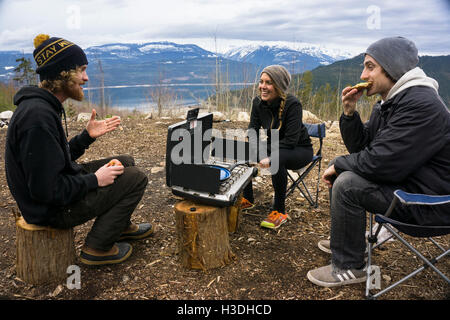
(350,95)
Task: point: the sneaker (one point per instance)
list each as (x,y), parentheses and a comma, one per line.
(274,220)
(328,276)
(245,204)
(325,246)
(383,235)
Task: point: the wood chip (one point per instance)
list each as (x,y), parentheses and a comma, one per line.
(153,262)
(211,282)
(335,297)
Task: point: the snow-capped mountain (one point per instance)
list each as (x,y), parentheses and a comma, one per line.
(297,58)
(152,51)
(156,63)
(145,63)
(303,47)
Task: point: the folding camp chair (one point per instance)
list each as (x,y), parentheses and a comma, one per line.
(411,230)
(314,131)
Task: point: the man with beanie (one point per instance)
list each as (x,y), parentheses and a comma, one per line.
(404,145)
(50,188)
(275,109)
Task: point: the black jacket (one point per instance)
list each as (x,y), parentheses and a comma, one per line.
(292,132)
(40,164)
(404,145)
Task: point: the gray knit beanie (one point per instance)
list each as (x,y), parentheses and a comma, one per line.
(397,55)
(279,75)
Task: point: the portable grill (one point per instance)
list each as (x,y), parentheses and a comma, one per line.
(204,168)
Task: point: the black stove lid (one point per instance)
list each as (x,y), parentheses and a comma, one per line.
(188,142)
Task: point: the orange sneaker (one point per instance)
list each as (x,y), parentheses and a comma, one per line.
(245,204)
(274,220)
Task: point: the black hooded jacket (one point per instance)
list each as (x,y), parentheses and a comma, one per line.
(40,163)
(292,132)
(404,145)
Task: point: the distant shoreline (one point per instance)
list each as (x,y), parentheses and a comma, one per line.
(170,85)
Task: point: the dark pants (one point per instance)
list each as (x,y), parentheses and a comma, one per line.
(112,205)
(350,197)
(292,159)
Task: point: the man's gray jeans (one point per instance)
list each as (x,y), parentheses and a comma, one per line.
(350,198)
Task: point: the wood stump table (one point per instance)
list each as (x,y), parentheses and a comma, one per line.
(43,253)
(202,233)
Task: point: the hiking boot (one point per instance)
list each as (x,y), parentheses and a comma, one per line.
(144,230)
(245,204)
(274,220)
(123,252)
(328,276)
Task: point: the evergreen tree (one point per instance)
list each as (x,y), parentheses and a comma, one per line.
(25,74)
(305,92)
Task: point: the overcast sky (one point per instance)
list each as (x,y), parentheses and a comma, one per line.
(349,25)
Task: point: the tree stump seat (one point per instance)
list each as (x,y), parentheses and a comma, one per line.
(43,253)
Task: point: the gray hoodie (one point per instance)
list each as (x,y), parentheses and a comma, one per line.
(412,78)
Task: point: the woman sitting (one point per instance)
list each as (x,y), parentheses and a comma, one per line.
(275,109)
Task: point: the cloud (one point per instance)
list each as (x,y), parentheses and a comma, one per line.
(20,38)
(349,24)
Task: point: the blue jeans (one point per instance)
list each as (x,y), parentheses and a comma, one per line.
(350,197)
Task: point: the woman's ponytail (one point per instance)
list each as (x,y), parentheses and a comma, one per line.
(281,110)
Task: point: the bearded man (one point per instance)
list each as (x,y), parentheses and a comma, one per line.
(50,188)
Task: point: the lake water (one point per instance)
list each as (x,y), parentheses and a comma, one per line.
(144,97)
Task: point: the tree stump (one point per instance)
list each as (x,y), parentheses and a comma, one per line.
(234,215)
(202,233)
(43,253)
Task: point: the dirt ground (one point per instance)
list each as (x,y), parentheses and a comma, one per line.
(269,265)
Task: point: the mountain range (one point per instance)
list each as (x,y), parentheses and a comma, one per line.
(168,63)
(172,63)
(296,60)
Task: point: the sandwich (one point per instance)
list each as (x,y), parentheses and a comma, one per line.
(362,85)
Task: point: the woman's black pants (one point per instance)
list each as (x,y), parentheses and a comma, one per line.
(292,159)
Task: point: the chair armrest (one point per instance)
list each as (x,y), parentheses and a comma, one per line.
(421,199)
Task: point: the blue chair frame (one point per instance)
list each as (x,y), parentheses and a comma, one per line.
(314,131)
(397,227)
